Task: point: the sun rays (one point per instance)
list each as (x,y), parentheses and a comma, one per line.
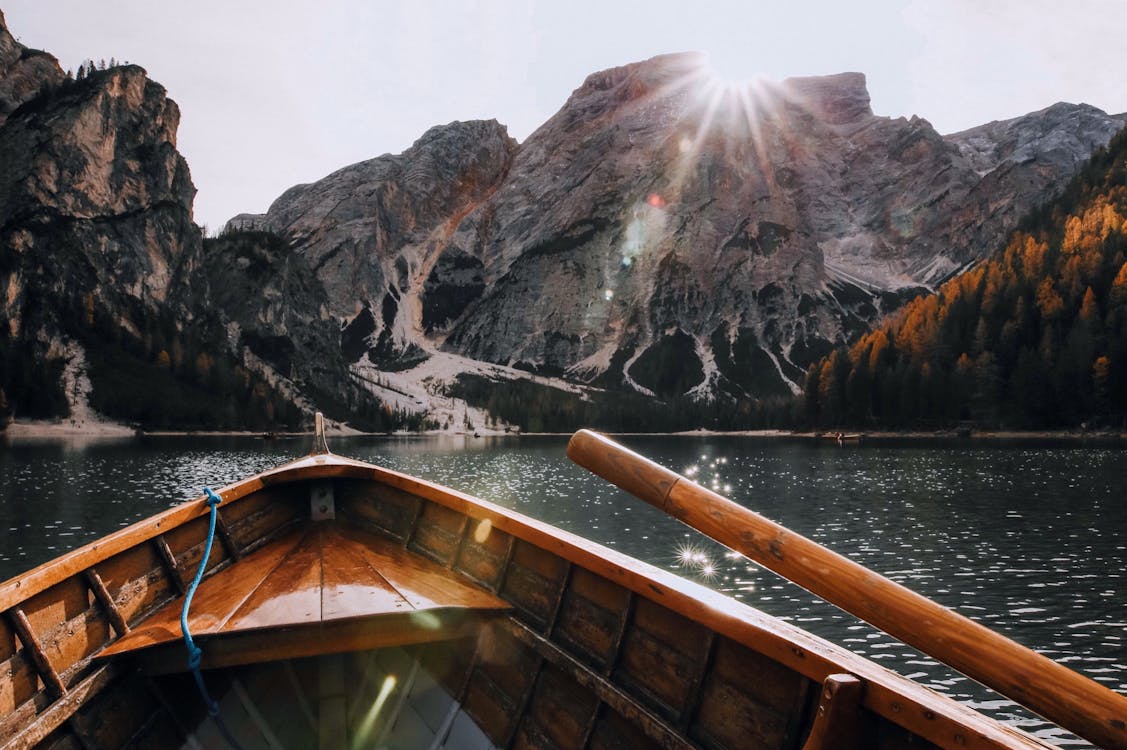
(724,115)
(698,137)
(707,119)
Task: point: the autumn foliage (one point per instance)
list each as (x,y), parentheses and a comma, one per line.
(1036,337)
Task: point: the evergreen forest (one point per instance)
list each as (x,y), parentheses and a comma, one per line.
(1034,338)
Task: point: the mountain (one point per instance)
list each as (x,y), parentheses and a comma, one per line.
(664,238)
(103,271)
(1035,337)
(665,233)
(95,210)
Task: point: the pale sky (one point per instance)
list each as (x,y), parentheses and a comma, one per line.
(277,92)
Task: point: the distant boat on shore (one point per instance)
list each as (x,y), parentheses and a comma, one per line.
(841,437)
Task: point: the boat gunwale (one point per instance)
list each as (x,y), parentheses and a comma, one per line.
(904,702)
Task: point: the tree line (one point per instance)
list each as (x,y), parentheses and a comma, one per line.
(1035,337)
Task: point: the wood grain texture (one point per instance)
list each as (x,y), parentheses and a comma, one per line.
(1049,689)
(131,571)
(316,574)
(838,717)
(61,710)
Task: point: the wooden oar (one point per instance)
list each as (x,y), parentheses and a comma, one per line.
(1062,696)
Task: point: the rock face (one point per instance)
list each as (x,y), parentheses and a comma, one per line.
(24,72)
(101,266)
(373,233)
(273,311)
(95,201)
(667,232)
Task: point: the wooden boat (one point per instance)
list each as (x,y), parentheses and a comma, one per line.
(842,437)
(345,605)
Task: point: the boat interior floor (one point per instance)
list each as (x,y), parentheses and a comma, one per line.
(321,588)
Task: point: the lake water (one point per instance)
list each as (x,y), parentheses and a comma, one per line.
(1029,538)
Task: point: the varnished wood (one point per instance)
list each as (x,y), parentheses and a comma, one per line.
(61,710)
(592,618)
(557,601)
(318,573)
(33,648)
(620,633)
(351,585)
(21,692)
(98,587)
(422,583)
(44,576)
(560,713)
(932,717)
(439,533)
(505,560)
(215,601)
(703,667)
(506,668)
(1050,689)
(661,653)
(171,567)
(838,718)
(655,728)
(902,701)
(316,639)
(320,442)
(228,541)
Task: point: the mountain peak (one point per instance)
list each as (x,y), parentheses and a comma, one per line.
(24,72)
(645,73)
(837,99)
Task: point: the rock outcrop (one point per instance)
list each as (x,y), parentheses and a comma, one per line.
(372,234)
(95,202)
(100,261)
(24,72)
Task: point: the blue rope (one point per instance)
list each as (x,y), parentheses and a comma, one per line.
(195,655)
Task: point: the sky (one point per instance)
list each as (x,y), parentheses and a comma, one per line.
(274,93)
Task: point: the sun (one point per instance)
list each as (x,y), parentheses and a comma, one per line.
(728,108)
(713,114)
(730,72)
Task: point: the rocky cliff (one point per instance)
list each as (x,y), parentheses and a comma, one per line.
(667,232)
(373,232)
(101,266)
(24,73)
(95,201)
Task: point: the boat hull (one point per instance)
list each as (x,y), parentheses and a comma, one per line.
(587,648)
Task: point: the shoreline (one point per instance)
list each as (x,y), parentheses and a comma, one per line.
(87,429)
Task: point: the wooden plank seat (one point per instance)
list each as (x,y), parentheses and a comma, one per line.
(322,588)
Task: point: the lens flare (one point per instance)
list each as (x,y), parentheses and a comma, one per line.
(369,723)
(716,125)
